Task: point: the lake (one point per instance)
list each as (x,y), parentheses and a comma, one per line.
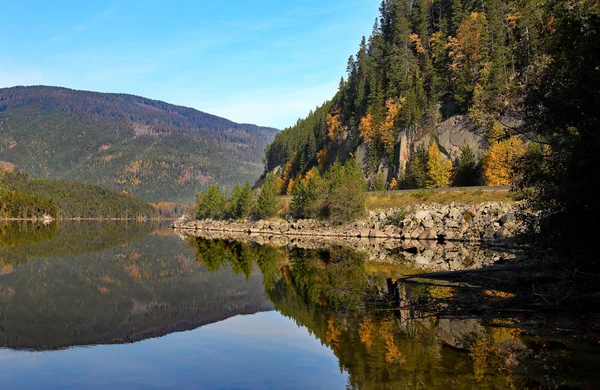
(130,305)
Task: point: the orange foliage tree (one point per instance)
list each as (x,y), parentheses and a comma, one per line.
(334,125)
(499,161)
(372,132)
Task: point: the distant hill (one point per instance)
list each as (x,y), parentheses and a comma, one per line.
(151,149)
(23,197)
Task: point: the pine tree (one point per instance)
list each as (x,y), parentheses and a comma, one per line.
(211,203)
(467,169)
(267,204)
(241,201)
(346,191)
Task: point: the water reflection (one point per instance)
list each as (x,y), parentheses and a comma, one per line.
(129,287)
(387,333)
(90,284)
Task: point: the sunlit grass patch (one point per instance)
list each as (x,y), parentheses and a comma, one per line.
(379,200)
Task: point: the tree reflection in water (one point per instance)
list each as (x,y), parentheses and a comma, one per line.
(388,333)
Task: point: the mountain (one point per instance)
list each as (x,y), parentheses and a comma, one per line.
(151,149)
(449,73)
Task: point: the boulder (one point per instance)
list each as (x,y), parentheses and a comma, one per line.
(451,223)
(420,215)
(508,217)
(502,234)
(454,213)
(421,260)
(448,234)
(428,234)
(489,233)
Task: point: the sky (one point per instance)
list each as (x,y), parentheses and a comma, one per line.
(267,62)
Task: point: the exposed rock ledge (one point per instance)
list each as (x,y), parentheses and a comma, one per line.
(490,222)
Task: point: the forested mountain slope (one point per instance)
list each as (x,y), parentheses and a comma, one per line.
(154,150)
(448,73)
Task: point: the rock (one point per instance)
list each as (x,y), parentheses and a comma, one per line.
(451,223)
(448,234)
(416,233)
(502,234)
(420,215)
(377,234)
(364,233)
(421,260)
(508,217)
(454,213)
(428,224)
(429,234)
(489,233)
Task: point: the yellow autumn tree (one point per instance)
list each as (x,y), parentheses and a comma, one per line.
(499,161)
(438,172)
(469,46)
(279,185)
(394,184)
(334,125)
(387,128)
(367,128)
(416,40)
(370,131)
(290,187)
(312,174)
(322,158)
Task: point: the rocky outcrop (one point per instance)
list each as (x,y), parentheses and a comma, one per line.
(490,222)
(452,134)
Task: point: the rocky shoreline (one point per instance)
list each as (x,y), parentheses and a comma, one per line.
(490,222)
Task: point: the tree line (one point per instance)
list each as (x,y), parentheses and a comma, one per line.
(339,196)
(25,197)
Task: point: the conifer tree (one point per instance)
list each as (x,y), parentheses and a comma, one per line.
(267,205)
(211,203)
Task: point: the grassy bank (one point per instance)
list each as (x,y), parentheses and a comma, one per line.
(381,200)
(391,199)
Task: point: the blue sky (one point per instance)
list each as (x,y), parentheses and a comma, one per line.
(265,61)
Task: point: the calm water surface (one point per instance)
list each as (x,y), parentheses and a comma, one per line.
(116,305)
